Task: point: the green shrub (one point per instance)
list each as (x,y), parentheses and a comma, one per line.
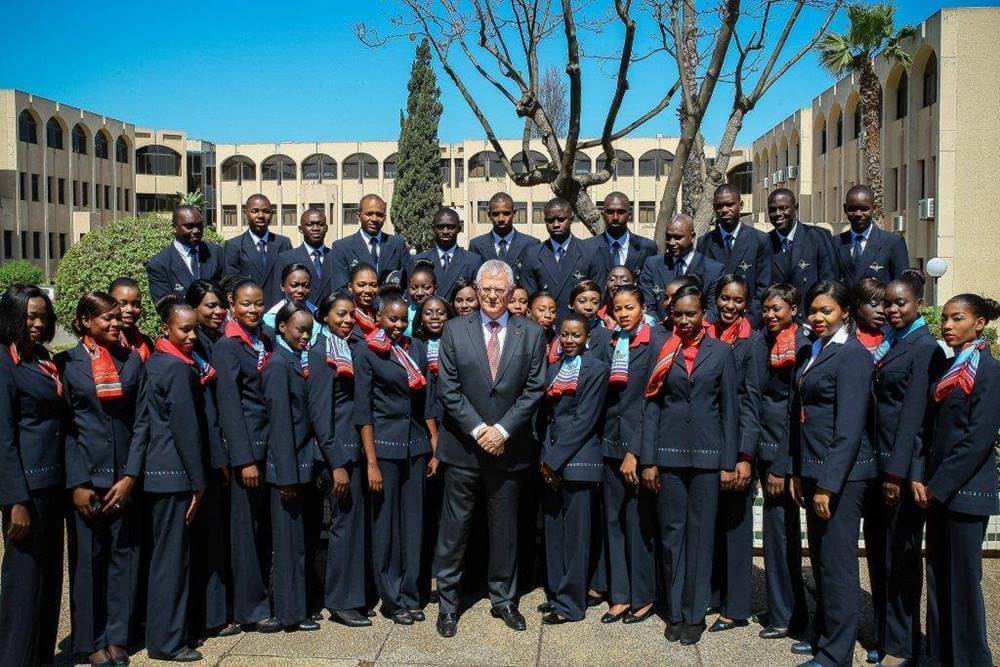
(20,271)
(120,248)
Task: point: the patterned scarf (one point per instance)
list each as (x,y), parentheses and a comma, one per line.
(962,373)
(46,366)
(739,329)
(379,342)
(364,321)
(433,347)
(338,356)
(205,371)
(621,342)
(106,381)
(871,341)
(302,354)
(236,330)
(894,337)
(555,350)
(665,361)
(783,349)
(566,380)
(132,339)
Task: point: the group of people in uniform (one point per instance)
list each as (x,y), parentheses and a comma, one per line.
(592,413)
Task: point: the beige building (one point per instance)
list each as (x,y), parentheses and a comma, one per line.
(939,135)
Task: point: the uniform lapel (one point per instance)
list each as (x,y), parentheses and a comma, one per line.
(514,334)
(829,350)
(475,331)
(178,268)
(870,253)
(740,246)
(704,352)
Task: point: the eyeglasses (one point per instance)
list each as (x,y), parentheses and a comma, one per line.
(495,291)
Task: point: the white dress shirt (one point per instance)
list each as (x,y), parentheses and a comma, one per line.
(497,238)
(622,251)
(503,321)
(819,345)
(185,253)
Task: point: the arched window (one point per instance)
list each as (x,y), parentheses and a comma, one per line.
(535,159)
(902,95)
(741,177)
(277,168)
(486,164)
(930,80)
(360,167)
(156,160)
(389,167)
(655,163)
(840,130)
(79,139)
(581,164)
(822,136)
(121,150)
(624,164)
(319,167)
(27,128)
(54,134)
(239,168)
(858,123)
(101,145)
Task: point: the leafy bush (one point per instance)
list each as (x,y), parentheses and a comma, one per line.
(120,248)
(20,271)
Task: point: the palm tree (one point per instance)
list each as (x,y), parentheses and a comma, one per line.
(195,199)
(872,33)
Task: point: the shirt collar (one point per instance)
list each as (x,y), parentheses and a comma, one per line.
(502,320)
(368,237)
(865,234)
(734,233)
(184,250)
(840,337)
(564,245)
(791,232)
(442,253)
(310,249)
(687,259)
(497,238)
(266,238)
(623,240)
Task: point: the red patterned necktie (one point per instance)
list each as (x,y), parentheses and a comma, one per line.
(493,348)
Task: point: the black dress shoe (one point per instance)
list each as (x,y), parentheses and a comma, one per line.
(722,626)
(631,617)
(594,600)
(433,598)
(418,615)
(270,625)
(352,618)
(773,633)
(553,618)
(447,624)
(119,657)
(691,633)
(546,607)
(401,617)
(369,613)
(317,616)
(673,631)
(610,618)
(307,625)
(228,630)
(873,657)
(803,648)
(184,655)
(511,617)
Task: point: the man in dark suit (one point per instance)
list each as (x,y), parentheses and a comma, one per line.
(386,252)
(503,241)
(802,254)
(617,246)
(560,262)
(450,262)
(681,259)
(741,249)
(865,250)
(312,253)
(255,252)
(186,259)
(491,378)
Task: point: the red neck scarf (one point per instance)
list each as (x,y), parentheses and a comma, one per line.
(205,371)
(871,341)
(46,366)
(783,349)
(235,330)
(338,356)
(132,339)
(379,342)
(962,374)
(665,361)
(609,321)
(364,321)
(740,329)
(102,367)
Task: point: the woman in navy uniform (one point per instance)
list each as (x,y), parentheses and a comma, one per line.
(363,287)
(571,466)
(782,534)
(240,356)
(690,437)
(32,429)
(397,436)
(291,457)
(585,299)
(126,292)
(175,473)
(834,466)
(105,386)
(955,480)
(629,510)
(732,576)
(296,286)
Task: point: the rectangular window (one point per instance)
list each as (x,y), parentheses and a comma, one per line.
(459,171)
(76,193)
(97,195)
(85,193)
(36,244)
(107,197)
(62,245)
(229,216)
(62,190)
(8,243)
(35,195)
(288,215)
(48,189)
(482,212)
(350,213)
(445,171)
(922,166)
(24,245)
(318,205)
(520,212)
(22,186)
(895,189)
(538,213)
(902,189)
(647,212)
(52,245)
(128,200)
(118,198)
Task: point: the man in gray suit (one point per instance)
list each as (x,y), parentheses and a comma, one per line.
(491,378)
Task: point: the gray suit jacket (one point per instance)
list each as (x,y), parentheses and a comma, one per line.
(470,397)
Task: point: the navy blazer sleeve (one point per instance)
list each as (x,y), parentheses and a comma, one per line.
(136,460)
(13,485)
(854,378)
(159,281)
(729,404)
(281,440)
(320,386)
(764,260)
(828,265)
(593,387)
(754,375)
(364,382)
(180,390)
(231,419)
(527,260)
(231,257)
(899,260)
(646,285)
(910,427)
(336,268)
(520,414)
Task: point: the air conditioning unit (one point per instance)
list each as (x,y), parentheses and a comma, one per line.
(862,135)
(767,182)
(781,175)
(898,223)
(925,209)
(793,171)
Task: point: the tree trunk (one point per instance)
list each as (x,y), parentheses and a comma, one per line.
(583,206)
(693,178)
(871,107)
(717,173)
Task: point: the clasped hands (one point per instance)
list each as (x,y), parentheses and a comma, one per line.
(491,440)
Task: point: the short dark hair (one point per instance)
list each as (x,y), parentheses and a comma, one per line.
(292,268)
(980,306)
(285,313)
(913,280)
(330,300)
(732,278)
(837,291)
(576,317)
(245,281)
(445,212)
(123,281)
(176,215)
(199,289)
(422,266)
(14,314)
(358,268)
(687,290)
(418,326)
(584,286)
(632,290)
(790,294)
(501,196)
(541,294)
(171,304)
(868,289)
(92,304)
(557,202)
(460,285)
(784,192)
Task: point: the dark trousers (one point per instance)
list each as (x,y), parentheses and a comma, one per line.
(598,565)
(104,576)
(782,537)
(289,539)
(461,486)
(250,550)
(732,566)
(346,552)
(397,531)
(833,551)
(568,526)
(686,507)
(530,535)
(169,574)
(630,528)
(31,583)
(210,578)
(956,612)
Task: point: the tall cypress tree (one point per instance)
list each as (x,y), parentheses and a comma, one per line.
(417,193)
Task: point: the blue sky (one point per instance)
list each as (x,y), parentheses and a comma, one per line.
(269,71)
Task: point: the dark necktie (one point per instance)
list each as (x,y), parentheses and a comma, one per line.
(856,249)
(502,249)
(195,263)
(317,258)
(262,251)
(786,244)
(616,249)
(560,251)
(374,246)
(446,261)
(728,238)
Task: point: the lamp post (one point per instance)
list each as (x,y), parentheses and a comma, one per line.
(936,267)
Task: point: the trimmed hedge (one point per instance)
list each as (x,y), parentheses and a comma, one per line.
(20,271)
(120,248)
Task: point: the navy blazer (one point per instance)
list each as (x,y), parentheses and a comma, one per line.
(751,357)
(32,428)
(624,405)
(832,446)
(331,409)
(384,400)
(105,440)
(484,247)
(750,258)
(599,342)
(352,250)
(464,265)
(572,424)
(291,447)
(178,427)
(657,274)
(809,260)
(694,422)
(318,288)
(900,388)
(240,394)
(243,259)
(639,250)
(168,272)
(540,271)
(958,465)
(884,258)
(776,422)
(219,455)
